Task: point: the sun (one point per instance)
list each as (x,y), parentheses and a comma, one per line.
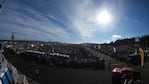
(104,17)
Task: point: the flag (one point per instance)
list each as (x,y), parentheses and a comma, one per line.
(142,56)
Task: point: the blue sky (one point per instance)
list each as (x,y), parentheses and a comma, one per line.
(73,21)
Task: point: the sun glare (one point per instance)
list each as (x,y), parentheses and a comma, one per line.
(104,17)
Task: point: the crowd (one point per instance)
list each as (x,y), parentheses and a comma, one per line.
(121,53)
(71,55)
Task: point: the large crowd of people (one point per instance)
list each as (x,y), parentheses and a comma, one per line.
(79,56)
(121,53)
(71,55)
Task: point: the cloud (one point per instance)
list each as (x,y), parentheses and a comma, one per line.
(116,37)
(55,19)
(107,41)
(83,19)
(32,24)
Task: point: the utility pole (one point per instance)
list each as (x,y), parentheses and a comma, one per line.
(2,3)
(12,39)
(12,36)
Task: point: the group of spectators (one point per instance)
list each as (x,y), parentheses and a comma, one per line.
(121,53)
(78,56)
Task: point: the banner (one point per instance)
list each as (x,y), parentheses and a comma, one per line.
(142,57)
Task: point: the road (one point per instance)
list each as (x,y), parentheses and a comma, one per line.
(113,62)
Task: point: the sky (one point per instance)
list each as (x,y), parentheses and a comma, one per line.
(73,21)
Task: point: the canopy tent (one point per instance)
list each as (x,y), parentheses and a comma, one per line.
(116,70)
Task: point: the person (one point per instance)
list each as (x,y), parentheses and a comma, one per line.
(37,74)
(124,79)
(109,65)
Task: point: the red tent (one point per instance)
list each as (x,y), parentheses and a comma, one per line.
(127,69)
(116,69)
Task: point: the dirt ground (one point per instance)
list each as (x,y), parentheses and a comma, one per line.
(66,75)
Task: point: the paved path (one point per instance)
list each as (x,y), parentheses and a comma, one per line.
(113,62)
